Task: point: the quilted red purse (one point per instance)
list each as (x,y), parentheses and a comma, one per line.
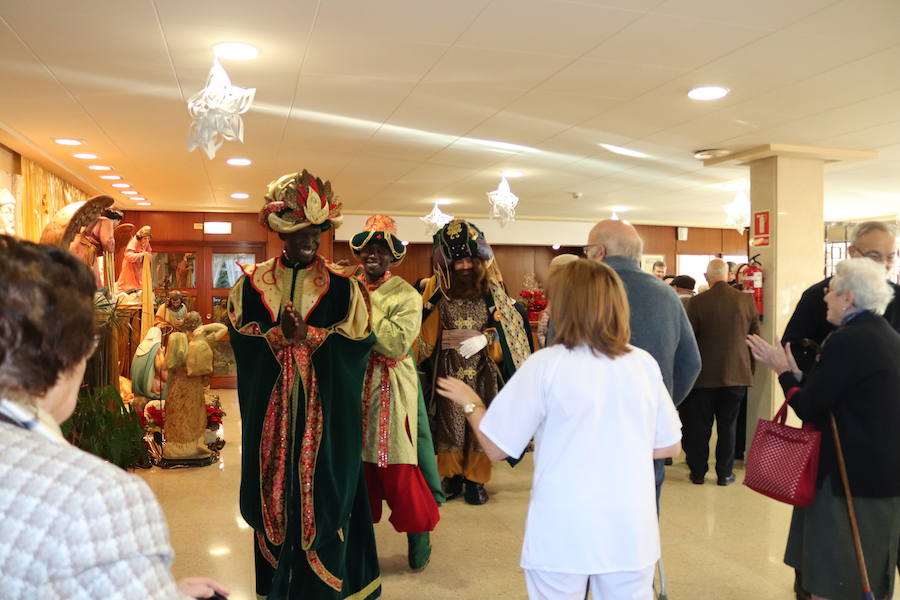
(783,461)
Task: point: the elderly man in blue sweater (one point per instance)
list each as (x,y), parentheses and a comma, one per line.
(659,324)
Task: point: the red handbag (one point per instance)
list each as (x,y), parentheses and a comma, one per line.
(783,461)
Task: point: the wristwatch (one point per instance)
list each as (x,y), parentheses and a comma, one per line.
(469,408)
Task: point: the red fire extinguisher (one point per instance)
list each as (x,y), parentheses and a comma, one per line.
(752,282)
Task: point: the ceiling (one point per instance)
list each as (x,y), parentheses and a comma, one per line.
(401,102)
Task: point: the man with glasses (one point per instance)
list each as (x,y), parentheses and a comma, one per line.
(871,239)
(808,328)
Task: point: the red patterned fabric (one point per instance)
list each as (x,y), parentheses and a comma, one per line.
(783,461)
(384,399)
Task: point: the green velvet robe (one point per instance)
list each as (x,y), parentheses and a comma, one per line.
(302,486)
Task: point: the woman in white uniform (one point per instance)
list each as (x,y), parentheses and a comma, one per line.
(598,411)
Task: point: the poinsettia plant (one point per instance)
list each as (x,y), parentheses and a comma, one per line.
(214,416)
(535,301)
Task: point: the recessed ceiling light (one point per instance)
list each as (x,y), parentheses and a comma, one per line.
(137,198)
(624,151)
(709,92)
(68,142)
(405,243)
(443,201)
(555,246)
(239,162)
(85,156)
(143,204)
(511,174)
(240,196)
(100,168)
(111,177)
(235,51)
(121,185)
(129,192)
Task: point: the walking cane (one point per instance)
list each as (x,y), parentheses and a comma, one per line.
(854,526)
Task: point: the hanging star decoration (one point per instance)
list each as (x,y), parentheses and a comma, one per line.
(738,212)
(503,203)
(435,220)
(216,112)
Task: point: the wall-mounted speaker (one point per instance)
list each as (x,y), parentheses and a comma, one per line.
(682,234)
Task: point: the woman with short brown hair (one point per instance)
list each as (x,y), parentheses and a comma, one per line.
(598,411)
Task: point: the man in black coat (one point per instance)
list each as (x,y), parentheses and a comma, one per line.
(872,239)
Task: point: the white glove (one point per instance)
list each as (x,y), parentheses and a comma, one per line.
(473,345)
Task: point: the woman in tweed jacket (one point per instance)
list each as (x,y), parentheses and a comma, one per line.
(74,526)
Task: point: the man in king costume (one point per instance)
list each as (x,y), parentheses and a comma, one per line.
(392,396)
(301,338)
(471,330)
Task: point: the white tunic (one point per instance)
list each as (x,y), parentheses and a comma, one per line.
(595,423)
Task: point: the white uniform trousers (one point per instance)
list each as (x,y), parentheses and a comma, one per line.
(622,585)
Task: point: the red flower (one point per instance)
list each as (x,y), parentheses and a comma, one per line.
(157,416)
(214,415)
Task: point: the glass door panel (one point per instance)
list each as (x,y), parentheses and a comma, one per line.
(225,269)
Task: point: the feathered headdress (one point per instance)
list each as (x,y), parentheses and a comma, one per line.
(298,200)
(380,229)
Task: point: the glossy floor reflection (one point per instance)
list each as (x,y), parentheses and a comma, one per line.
(718,542)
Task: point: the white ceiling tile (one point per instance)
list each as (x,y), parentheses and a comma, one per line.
(609,79)
(673,42)
(391,60)
(351,97)
(766,14)
(517,129)
(870,138)
(443,109)
(633,5)
(869,25)
(570,109)
(496,68)
(399,102)
(558,28)
(410,20)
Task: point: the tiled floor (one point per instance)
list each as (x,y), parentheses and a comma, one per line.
(718,543)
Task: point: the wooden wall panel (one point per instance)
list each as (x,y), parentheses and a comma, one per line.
(733,242)
(659,240)
(514,263)
(417,263)
(168,226)
(245,227)
(701,240)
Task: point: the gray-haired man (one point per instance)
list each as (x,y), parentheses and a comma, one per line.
(659,324)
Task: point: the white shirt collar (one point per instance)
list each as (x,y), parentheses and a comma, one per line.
(37,420)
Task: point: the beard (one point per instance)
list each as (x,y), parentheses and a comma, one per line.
(469,284)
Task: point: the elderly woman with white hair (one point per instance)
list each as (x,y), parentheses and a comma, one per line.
(857,378)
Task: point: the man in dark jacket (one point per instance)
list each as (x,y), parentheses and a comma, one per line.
(872,239)
(722,317)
